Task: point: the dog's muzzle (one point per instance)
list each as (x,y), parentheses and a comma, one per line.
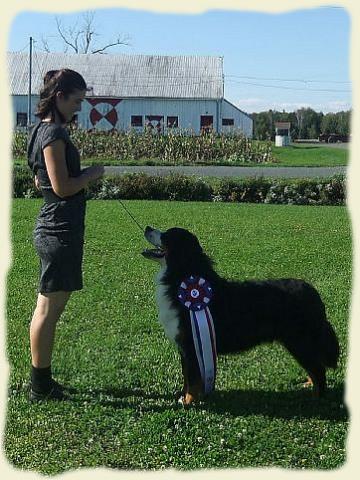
(153,236)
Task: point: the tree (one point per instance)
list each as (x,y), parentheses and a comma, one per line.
(308,122)
(304,123)
(329,123)
(294,130)
(81,37)
(311,123)
(336,123)
(261,126)
(300,115)
(343,123)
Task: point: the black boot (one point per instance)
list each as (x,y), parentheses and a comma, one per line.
(44,387)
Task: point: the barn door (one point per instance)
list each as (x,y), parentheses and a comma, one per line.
(206,123)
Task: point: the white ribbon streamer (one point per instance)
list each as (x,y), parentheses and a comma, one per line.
(203,329)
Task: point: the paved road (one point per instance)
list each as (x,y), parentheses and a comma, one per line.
(214,171)
(345,145)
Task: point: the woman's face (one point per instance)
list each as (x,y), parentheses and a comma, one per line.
(69,104)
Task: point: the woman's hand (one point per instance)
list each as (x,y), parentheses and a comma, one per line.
(37,183)
(94,172)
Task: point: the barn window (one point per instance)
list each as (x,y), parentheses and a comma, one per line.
(21,119)
(136,120)
(228,121)
(172,122)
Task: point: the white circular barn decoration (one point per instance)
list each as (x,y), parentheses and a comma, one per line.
(103,115)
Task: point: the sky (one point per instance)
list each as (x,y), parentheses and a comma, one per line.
(283,61)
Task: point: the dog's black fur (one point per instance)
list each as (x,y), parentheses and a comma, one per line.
(248,313)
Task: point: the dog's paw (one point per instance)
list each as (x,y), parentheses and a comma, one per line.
(179,394)
(181,400)
(187,399)
(185,402)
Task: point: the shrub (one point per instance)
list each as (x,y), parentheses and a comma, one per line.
(19,144)
(23,183)
(190,188)
(130,186)
(252,190)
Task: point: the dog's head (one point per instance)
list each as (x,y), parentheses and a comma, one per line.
(175,247)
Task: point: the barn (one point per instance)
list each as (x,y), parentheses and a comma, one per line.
(177,93)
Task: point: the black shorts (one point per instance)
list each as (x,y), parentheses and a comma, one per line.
(61,257)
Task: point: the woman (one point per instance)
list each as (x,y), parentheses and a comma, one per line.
(59,230)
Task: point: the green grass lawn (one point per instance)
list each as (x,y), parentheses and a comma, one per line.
(310,156)
(291,156)
(112,350)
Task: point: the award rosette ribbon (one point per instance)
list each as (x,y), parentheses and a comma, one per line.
(195,293)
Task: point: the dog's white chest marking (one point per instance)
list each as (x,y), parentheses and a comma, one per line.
(167,314)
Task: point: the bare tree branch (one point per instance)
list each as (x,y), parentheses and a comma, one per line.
(81,36)
(70,42)
(119,41)
(45,44)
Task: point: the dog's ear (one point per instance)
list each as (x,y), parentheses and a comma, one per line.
(178,239)
(194,245)
(183,250)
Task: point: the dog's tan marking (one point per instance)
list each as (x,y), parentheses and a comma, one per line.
(308,383)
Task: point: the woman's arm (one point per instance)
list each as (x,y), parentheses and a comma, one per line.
(62,184)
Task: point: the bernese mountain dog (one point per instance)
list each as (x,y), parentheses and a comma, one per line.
(245,313)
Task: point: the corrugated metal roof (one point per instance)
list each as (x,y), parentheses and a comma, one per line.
(125,75)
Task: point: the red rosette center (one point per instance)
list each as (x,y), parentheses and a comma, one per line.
(195,293)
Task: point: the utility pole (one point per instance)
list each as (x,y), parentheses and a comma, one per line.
(29,94)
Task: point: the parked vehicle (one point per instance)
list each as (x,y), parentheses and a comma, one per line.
(333,138)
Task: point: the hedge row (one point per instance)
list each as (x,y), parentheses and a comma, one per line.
(173,147)
(186,188)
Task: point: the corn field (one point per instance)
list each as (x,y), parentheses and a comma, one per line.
(172,147)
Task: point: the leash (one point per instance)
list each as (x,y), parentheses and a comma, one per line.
(131,216)
(195,293)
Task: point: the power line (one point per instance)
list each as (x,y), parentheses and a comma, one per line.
(22,49)
(288,79)
(42,50)
(151,82)
(291,88)
(154,78)
(186,76)
(207,81)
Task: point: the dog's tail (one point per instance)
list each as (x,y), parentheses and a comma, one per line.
(330,349)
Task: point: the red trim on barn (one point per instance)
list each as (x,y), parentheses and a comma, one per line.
(96,116)
(112,117)
(97,100)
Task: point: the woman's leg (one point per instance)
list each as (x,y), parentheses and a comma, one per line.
(48,309)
